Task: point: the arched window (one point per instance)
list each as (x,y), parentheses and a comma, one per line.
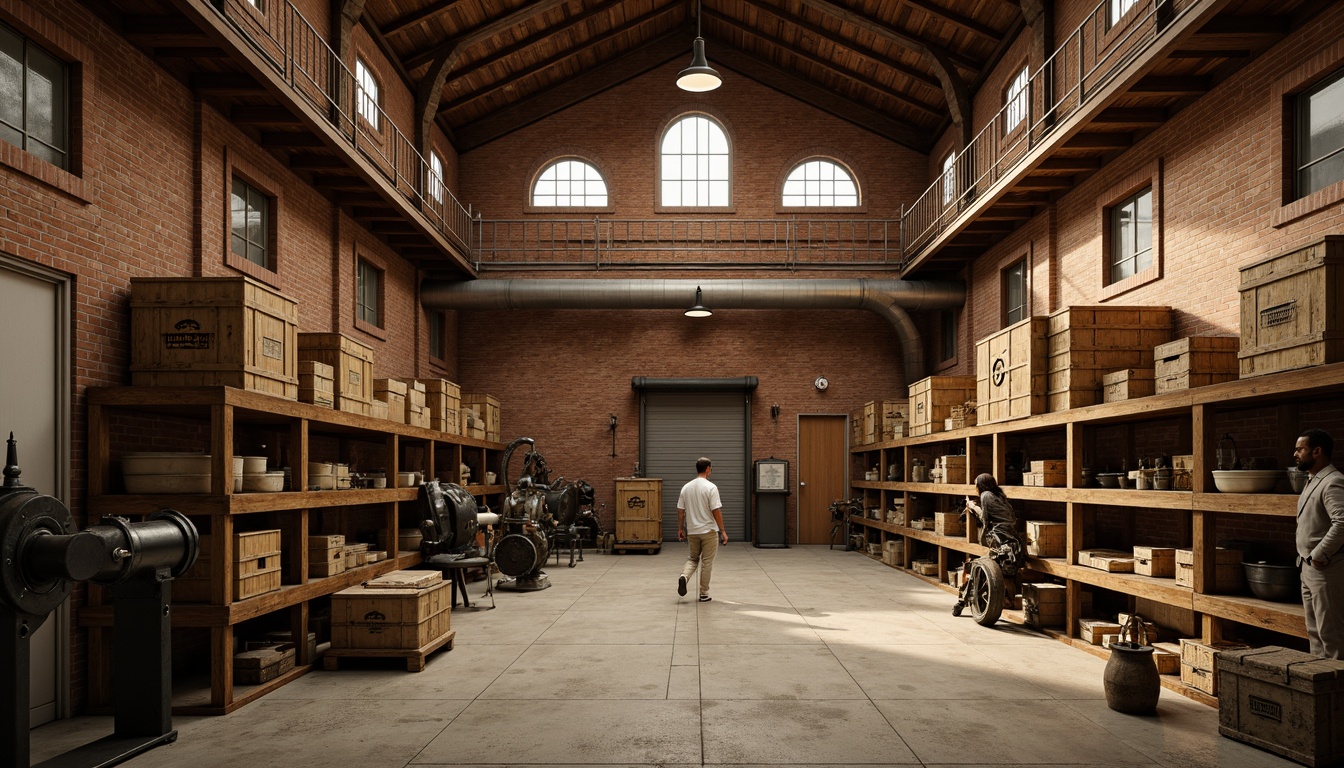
(820,183)
(570,183)
(696,164)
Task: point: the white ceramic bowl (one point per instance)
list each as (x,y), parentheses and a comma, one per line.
(321,468)
(165,463)
(270,482)
(196,483)
(405,479)
(323,482)
(1247,480)
(254,465)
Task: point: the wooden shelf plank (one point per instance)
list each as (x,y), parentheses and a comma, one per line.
(1150,587)
(1275,504)
(1288,618)
(1120,497)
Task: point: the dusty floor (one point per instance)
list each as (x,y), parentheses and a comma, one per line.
(806,656)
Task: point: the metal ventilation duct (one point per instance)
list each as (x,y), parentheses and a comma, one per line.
(892,299)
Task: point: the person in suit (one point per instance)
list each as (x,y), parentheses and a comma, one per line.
(1320,535)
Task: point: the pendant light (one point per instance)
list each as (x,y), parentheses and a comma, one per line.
(699,310)
(699,77)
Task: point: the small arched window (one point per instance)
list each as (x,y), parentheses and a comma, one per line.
(820,183)
(695,169)
(570,184)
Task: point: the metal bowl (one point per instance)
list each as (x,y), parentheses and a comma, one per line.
(1297,479)
(1280,583)
(1109,479)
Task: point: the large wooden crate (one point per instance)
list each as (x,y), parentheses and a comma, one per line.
(856,427)
(1286,701)
(1195,361)
(883,419)
(1085,343)
(1010,373)
(396,618)
(213,331)
(639,510)
(1046,538)
(392,392)
(1291,315)
(442,400)
(931,401)
(352,363)
(487,407)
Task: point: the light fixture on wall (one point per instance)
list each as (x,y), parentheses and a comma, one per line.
(699,77)
(699,310)
(774,411)
(612,425)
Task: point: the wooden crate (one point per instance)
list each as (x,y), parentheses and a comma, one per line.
(392,392)
(1109,560)
(326,541)
(351,363)
(256,544)
(1127,384)
(948,524)
(213,331)
(328,562)
(1195,361)
(1155,561)
(877,414)
(487,407)
(856,427)
(1285,701)
(365,604)
(1092,630)
(1291,311)
(1228,574)
(639,509)
(417,414)
(1087,342)
(1044,605)
(1010,372)
(383,634)
(932,398)
(952,469)
(442,400)
(470,423)
(259,583)
(925,567)
(1046,538)
(1167,658)
(262,665)
(316,384)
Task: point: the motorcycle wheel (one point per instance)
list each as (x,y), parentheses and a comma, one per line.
(985,593)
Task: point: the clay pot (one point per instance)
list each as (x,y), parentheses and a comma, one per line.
(1131,680)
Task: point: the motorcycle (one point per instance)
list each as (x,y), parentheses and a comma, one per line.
(986,580)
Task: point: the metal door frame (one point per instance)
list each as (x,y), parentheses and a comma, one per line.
(798,476)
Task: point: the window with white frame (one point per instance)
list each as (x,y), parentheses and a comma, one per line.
(435,177)
(250,223)
(820,183)
(369,294)
(1131,235)
(570,183)
(695,167)
(949,177)
(34,99)
(1117,10)
(1016,102)
(1319,145)
(366,95)
(1015,293)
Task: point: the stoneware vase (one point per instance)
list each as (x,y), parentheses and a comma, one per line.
(1131,681)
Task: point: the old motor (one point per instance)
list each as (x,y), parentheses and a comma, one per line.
(533,511)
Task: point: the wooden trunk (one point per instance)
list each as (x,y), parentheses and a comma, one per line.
(931,401)
(1285,701)
(1155,561)
(1291,316)
(1127,384)
(396,617)
(1087,342)
(1195,361)
(1045,538)
(639,510)
(381,635)
(213,331)
(1010,368)
(352,363)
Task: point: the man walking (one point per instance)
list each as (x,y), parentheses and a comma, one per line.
(1320,537)
(700,521)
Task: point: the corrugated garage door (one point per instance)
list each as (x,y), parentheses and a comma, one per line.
(680,428)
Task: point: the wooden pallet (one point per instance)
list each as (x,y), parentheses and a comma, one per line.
(415,659)
(651,547)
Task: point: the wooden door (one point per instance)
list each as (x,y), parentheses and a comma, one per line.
(821,474)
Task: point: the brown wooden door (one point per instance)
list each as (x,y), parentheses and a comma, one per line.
(821,474)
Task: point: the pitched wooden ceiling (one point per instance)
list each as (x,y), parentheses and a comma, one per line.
(903,69)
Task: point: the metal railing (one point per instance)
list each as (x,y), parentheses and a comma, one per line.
(1091,58)
(315,74)
(599,243)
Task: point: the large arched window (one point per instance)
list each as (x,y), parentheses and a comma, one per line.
(820,183)
(570,183)
(695,170)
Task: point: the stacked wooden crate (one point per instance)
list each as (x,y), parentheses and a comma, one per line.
(1044,604)
(487,411)
(326,555)
(931,401)
(1045,538)
(1228,576)
(1087,342)
(1195,361)
(893,552)
(317,384)
(256,568)
(1010,372)
(352,367)
(1155,561)
(392,392)
(962,416)
(949,469)
(884,420)
(408,611)
(442,401)
(1292,309)
(857,432)
(1046,473)
(1127,384)
(1199,663)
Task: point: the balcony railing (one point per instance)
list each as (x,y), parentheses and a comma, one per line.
(688,243)
(315,74)
(1090,59)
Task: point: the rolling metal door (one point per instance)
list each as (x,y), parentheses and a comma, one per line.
(680,428)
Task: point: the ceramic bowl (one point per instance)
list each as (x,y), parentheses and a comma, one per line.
(195,483)
(165,463)
(268,482)
(254,465)
(1246,480)
(1109,479)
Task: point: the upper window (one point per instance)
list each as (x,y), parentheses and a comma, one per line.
(1015,293)
(947,335)
(820,183)
(438,337)
(1015,101)
(1319,147)
(1117,10)
(435,177)
(570,183)
(368,294)
(34,101)
(695,168)
(366,95)
(250,223)
(1131,235)
(949,177)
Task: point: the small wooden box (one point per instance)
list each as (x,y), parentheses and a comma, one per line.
(213,331)
(1127,384)
(487,407)
(1155,561)
(893,552)
(406,580)
(948,524)
(1044,604)
(1292,309)
(326,541)
(378,409)
(932,398)
(1046,538)
(1109,560)
(639,509)
(1228,575)
(1195,361)
(442,400)
(1010,369)
(1204,655)
(259,583)
(352,367)
(1091,630)
(263,665)
(953,469)
(856,427)
(1285,701)
(925,567)
(472,425)
(1167,657)
(316,384)
(393,393)
(256,544)
(1086,342)
(326,562)
(1205,680)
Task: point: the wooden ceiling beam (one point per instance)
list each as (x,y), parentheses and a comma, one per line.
(166,31)
(1070,164)
(1159,85)
(339,182)
(262,115)
(190,52)
(453,48)
(226,84)
(405,22)
(956,19)
(290,140)
(1044,182)
(1130,116)
(1099,141)
(310,162)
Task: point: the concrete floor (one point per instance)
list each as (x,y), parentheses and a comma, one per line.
(806,656)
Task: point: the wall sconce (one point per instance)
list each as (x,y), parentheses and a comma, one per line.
(612,426)
(774,411)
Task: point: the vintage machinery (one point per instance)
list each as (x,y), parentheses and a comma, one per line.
(522,550)
(450,521)
(41,556)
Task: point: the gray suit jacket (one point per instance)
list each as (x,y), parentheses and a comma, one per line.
(1320,515)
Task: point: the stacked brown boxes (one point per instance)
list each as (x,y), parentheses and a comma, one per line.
(317,384)
(1087,342)
(326,555)
(1010,371)
(882,418)
(1155,561)
(1046,473)
(1045,538)
(406,612)
(857,432)
(213,331)
(931,401)
(1228,575)
(356,555)
(951,469)
(472,424)
(352,366)
(262,665)
(1292,309)
(1044,604)
(487,408)
(443,399)
(1285,701)
(1195,361)
(1094,631)
(1127,384)
(1199,663)
(256,568)
(416,413)
(893,552)
(392,392)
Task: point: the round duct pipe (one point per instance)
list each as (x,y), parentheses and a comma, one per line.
(892,299)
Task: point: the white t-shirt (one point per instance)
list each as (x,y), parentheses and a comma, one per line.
(700,498)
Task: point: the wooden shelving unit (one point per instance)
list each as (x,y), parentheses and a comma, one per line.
(225,422)
(1191,422)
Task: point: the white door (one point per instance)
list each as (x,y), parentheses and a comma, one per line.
(34,405)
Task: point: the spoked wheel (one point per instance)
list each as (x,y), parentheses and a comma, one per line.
(985,593)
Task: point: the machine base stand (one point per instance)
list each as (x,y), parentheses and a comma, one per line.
(526,583)
(107,751)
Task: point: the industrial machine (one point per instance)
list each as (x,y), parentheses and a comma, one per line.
(527,521)
(450,523)
(41,556)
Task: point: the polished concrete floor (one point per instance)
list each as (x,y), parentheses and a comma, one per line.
(805,657)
